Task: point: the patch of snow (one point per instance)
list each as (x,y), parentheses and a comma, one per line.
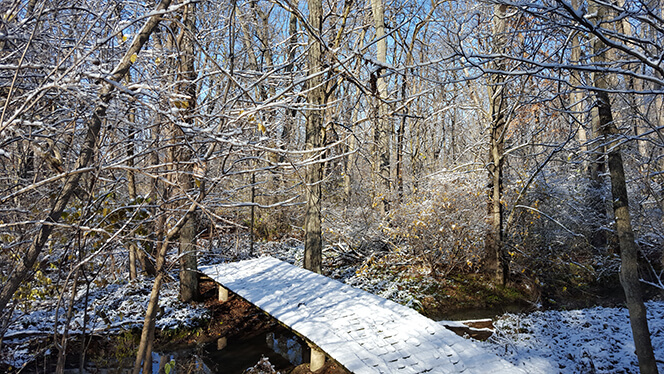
(597,340)
(262,367)
(110,309)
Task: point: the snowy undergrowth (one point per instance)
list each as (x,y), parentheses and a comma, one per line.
(110,309)
(236,248)
(395,285)
(596,340)
(384,274)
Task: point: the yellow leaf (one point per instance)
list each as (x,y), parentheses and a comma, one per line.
(124,38)
(157,61)
(181,104)
(133,58)
(262,127)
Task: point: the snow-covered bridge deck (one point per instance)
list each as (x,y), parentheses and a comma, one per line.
(362,332)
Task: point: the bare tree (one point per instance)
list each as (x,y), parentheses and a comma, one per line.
(383,129)
(316,100)
(611,53)
(496,258)
(88,148)
(185,160)
(629,273)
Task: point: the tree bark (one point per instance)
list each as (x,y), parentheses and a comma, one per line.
(62,345)
(187,87)
(289,122)
(144,354)
(352,142)
(88,148)
(577,94)
(382,125)
(400,140)
(131,188)
(595,192)
(629,270)
(496,260)
(313,244)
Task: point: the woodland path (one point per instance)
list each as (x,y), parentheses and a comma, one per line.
(361,331)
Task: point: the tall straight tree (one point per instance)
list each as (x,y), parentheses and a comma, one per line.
(313,243)
(496,259)
(183,159)
(629,270)
(382,126)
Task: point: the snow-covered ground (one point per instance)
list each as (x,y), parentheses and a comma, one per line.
(595,340)
(110,308)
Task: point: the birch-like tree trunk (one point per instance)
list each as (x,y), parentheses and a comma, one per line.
(382,126)
(144,353)
(313,244)
(351,159)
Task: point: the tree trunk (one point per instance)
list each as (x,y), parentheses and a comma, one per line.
(289,122)
(144,354)
(88,148)
(629,272)
(313,244)
(577,94)
(496,261)
(131,187)
(382,125)
(595,193)
(400,140)
(62,345)
(187,87)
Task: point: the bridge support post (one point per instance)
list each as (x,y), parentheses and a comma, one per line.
(223,294)
(317,358)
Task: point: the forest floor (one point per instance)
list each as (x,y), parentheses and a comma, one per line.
(589,340)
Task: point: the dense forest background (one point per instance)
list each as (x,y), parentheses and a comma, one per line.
(499,138)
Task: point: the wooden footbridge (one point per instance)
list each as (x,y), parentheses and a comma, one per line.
(362,332)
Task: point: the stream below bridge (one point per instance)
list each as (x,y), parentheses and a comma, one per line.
(235,355)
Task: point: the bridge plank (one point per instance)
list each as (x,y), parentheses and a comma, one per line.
(361,331)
